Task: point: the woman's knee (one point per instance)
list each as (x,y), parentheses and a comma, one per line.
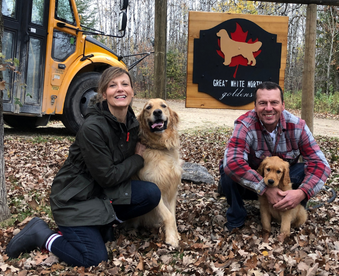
(95,259)
(145,193)
(154,194)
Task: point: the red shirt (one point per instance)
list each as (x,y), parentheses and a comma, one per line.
(251,143)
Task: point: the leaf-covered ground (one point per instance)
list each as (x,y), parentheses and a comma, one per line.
(205,247)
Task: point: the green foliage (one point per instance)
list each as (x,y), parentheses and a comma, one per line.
(176,75)
(17,101)
(323,103)
(86,13)
(326,103)
(292,99)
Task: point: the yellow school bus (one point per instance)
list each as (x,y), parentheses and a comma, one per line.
(59,65)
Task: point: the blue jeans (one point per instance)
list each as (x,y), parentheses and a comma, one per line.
(235,193)
(85,245)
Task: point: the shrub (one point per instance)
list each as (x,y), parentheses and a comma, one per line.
(323,103)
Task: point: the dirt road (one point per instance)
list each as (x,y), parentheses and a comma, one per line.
(196,118)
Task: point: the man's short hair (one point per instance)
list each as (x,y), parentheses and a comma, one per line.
(268,85)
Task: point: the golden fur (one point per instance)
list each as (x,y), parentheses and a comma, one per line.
(276,174)
(162,164)
(231,48)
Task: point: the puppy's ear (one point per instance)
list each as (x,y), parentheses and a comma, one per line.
(286,177)
(262,166)
(174,118)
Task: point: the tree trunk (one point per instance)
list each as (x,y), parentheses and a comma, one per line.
(4,211)
(332,32)
(160,31)
(307,107)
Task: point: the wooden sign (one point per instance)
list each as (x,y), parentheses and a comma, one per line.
(230,54)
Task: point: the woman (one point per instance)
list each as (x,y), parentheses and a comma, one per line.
(94,187)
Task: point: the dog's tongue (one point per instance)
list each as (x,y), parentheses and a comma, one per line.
(157,125)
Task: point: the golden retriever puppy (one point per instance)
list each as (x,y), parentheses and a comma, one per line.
(158,131)
(231,48)
(276,174)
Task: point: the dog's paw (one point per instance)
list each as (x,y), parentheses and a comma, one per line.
(172,241)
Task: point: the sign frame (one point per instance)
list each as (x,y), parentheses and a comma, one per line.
(199,21)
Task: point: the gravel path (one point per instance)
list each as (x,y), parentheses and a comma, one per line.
(192,119)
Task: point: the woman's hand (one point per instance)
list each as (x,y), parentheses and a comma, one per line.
(140,149)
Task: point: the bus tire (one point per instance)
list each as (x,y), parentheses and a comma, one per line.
(81,90)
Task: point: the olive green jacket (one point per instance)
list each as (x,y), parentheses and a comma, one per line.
(98,170)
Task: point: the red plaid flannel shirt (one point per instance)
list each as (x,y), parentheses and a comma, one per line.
(251,143)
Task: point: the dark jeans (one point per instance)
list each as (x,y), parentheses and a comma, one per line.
(235,193)
(85,245)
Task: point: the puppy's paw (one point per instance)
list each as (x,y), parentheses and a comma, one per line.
(282,237)
(265,236)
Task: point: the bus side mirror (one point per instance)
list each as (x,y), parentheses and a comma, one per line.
(122,21)
(123,4)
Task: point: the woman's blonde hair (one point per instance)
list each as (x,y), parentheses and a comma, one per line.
(109,74)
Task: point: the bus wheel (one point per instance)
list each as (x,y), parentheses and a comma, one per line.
(22,122)
(81,90)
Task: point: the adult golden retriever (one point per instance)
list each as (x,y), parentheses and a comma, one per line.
(158,131)
(276,174)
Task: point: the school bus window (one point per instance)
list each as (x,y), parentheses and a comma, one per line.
(8,8)
(38,12)
(7,48)
(33,72)
(64,11)
(63,45)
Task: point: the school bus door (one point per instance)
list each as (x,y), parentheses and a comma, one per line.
(24,38)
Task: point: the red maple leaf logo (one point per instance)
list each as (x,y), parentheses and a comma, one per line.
(240,36)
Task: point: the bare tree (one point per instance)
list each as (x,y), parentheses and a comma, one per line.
(140,34)
(4,211)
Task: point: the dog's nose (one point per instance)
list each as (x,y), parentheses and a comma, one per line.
(270,182)
(157,112)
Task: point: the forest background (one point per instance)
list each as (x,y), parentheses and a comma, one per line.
(32,160)
(139,38)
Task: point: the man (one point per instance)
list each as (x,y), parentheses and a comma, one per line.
(269,130)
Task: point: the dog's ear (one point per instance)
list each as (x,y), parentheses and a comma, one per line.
(262,166)
(286,177)
(174,118)
(141,118)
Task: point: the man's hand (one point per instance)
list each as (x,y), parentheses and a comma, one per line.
(291,199)
(273,195)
